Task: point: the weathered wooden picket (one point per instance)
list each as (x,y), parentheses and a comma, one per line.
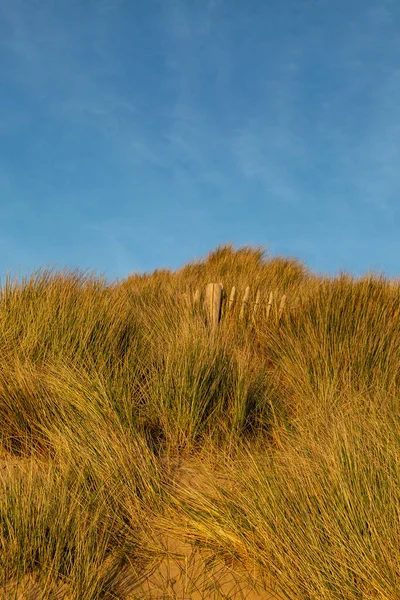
(218,305)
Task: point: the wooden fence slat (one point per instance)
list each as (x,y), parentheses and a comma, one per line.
(213,302)
(232,298)
(269,305)
(244,302)
(281,306)
(256,306)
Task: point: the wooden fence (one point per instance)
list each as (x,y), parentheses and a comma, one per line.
(218,304)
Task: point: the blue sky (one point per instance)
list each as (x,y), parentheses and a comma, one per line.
(137,134)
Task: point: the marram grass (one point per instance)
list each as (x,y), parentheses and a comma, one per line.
(266,454)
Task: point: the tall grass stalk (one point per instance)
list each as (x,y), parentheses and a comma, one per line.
(111,394)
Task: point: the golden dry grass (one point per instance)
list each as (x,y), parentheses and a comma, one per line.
(145,456)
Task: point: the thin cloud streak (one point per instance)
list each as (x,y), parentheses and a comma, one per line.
(287,105)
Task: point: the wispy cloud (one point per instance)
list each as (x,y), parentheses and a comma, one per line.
(270,155)
(210,126)
(200,106)
(58,60)
(335,111)
(373,159)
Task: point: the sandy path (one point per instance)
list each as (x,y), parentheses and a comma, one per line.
(184,573)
